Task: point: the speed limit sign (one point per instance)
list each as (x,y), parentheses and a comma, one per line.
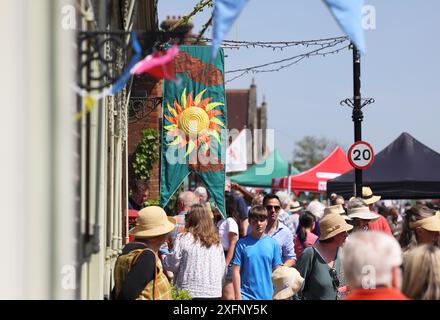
(360,155)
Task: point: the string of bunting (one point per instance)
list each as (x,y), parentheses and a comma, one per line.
(158,64)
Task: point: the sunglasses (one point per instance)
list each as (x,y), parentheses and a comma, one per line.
(261,219)
(335,279)
(269,208)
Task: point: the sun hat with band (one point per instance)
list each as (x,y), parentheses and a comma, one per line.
(336,209)
(430,224)
(286,281)
(332,225)
(295,206)
(152,222)
(367,195)
(363,213)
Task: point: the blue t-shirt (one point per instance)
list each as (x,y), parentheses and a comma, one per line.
(256,258)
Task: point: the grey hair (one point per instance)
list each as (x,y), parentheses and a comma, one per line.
(284,199)
(201,191)
(356,203)
(368,259)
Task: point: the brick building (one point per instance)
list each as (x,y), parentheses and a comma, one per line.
(243,113)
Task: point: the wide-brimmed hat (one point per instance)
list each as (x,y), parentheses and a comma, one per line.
(362,213)
(151,222)
(286,281)
(316,208)
(331,225)
(336,209)
(367,195)
(430,224)
(295,206)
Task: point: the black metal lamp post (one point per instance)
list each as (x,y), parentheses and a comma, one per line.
(357,104)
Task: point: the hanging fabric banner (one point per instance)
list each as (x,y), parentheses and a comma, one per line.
(193,135)
(348,14)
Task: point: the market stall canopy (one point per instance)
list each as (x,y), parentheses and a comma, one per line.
(405,169)
(315,179)
(260,175)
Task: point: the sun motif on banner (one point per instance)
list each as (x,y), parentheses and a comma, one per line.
(194,122)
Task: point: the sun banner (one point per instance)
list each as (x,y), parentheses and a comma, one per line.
(194,123)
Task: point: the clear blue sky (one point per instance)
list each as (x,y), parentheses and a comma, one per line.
(400,70)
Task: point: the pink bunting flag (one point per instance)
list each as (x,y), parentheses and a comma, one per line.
(158,64)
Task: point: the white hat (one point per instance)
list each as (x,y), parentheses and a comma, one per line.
(336,209)
(286,281)
(362,213)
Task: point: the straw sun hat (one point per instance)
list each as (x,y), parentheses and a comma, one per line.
(331,225)
(286,281)
(367,195)
(430,224)
(295,206)
(152,222)
(336,209)
(363,213)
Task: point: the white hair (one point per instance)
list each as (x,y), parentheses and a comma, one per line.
(188,198)
(284,199)
(201,191)
(368,259)
(316,208)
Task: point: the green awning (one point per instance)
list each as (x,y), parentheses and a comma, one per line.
(260,175)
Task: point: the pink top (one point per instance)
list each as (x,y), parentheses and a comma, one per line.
(310,240)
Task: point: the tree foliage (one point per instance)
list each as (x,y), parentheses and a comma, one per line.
(310,150)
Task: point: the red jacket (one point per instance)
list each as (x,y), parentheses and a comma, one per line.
(376,294)
(380,224)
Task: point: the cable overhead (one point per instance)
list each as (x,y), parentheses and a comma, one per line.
(322,51)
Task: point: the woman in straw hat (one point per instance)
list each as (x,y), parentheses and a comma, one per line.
(360,214)
(421,226)
(421,273)
(320,264)
(198,260)
(138,270)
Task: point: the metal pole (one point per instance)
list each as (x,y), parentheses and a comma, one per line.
(357,112)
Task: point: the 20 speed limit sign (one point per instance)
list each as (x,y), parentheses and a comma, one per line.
(360,155)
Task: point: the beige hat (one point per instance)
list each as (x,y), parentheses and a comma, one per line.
(367,195)
(336,209)
(362,213)
(430,224)
(331,225)
(286,281)
(295,206)
(152,222)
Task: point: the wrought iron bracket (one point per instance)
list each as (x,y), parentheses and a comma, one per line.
(350,102)
(100,52)
(141,107)
(357,115)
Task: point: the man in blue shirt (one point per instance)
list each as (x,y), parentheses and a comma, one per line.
(279,231)
(255,258)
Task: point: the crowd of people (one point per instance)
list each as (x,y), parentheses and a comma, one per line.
(267,246)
